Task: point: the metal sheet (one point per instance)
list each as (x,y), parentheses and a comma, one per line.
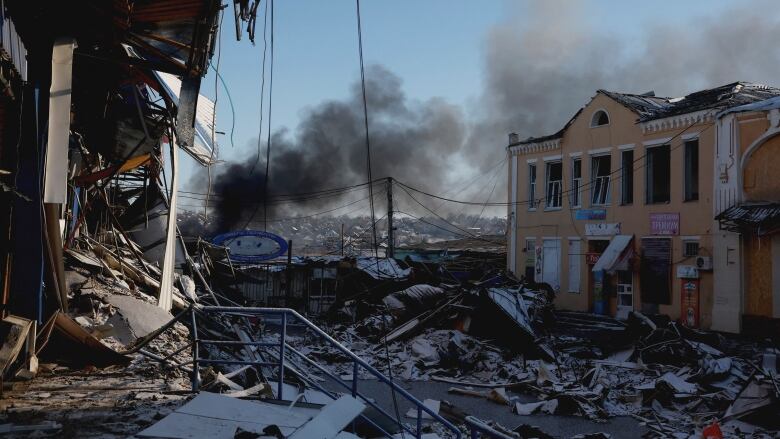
(612,254)
(56,179)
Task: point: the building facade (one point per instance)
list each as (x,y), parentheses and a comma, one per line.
(614,211)
(747,210)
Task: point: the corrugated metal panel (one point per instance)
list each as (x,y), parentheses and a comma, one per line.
(12,45)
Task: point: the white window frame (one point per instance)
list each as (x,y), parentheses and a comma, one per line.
(551,186)
(576,184)
(532,177)
(594,178)
(594,123)
(689,239)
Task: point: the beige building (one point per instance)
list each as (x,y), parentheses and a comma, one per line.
(615,210)
(747,208)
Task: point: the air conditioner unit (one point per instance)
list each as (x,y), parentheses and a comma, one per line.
(704,262)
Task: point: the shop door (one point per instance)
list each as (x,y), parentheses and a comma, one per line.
(656,271)
(625,294)
(551,265)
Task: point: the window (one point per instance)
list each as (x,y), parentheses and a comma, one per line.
(576,182)
(690,248)
(554,185)
(691,169)
(658,174)
(599,118)
(600,170)
(627,177)
(531,186)
(655,271)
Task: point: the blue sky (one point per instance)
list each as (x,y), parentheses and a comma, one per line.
(435,46)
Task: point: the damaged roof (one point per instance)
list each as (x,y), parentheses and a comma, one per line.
(650,107)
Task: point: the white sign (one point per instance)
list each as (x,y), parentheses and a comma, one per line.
(687,272)
(602,229)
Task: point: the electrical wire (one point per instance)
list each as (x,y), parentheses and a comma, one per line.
(568,191)
(214,115)
(365,123)
(268,143)
(262,88)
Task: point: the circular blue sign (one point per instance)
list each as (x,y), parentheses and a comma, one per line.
(251,246)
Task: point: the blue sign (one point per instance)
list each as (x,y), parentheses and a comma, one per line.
(252,246)
(590,214)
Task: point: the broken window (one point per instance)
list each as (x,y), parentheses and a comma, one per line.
(599,118)
(658,174)
(627,177)
(554,185)
(600,170)
(531,186)
(576,182)
(691,167)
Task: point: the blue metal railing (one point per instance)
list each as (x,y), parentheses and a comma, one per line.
(286,314)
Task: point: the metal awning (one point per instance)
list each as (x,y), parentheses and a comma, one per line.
(202,149)
(616,255)
(758,218)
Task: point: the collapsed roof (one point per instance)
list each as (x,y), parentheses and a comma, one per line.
(649,107)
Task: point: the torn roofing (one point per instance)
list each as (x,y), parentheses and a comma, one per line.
(650,107)
(724,96)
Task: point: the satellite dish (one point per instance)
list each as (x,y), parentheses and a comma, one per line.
(251,246)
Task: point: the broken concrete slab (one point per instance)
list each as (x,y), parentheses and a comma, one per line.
(332,419)
(135,318)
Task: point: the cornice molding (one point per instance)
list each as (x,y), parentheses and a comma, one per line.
(531,148)
(679,121)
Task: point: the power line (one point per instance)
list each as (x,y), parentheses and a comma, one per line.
(262,88)
(365,123)
(537,200)
(268,143)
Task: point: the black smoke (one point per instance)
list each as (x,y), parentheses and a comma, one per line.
(540,66)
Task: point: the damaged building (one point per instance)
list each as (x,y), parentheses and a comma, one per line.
(615,210)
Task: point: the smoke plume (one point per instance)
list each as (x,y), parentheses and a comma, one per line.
(540,67)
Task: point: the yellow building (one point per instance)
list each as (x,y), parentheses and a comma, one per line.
(747,208)
(615,210)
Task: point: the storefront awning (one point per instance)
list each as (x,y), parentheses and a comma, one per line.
(616,255)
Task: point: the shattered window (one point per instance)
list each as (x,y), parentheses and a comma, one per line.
(600,171)
(531,186)
(554,185)
(627,178)
(658,174)
(599,118)
(576,182)
(691,167)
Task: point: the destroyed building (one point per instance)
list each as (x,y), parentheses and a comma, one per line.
(616,210)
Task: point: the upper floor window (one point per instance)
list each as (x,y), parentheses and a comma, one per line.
(691,168)
(600,172)
(627,177)
(599,118)
(554,185)
(658,174)
(531,186)
(576,182)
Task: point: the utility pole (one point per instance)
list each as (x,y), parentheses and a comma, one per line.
(390,234)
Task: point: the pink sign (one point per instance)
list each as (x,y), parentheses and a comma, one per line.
(665,223)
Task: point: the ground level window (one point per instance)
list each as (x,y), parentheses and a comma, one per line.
(690,248)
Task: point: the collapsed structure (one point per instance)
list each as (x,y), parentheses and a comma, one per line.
(114,325)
